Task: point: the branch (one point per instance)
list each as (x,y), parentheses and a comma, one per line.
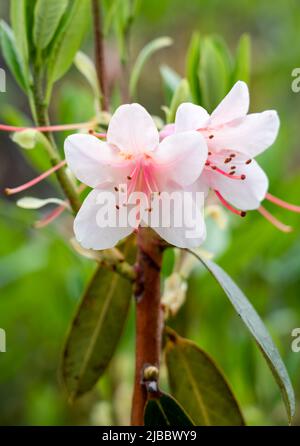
(149,317)
(99,53)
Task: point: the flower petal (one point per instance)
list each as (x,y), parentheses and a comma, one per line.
(235,105)
(132,129)
(243,194)
(178,220)
(180,159)
(250,135)
(95,162)
(87,230)
(190,117)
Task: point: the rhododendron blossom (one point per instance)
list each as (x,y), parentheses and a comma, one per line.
(234,138)
(133,161)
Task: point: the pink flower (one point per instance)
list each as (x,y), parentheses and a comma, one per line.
(234,138)
(133,157)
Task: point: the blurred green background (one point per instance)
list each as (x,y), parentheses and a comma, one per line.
(42,277)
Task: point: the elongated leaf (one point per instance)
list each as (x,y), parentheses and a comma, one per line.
(242,60)
(95,331)
(165,411)
(256,327)
(213,75)
(11,55)
(182,94)
(145,54)
(68,39)
(198,384)
(192,68)
(47,15)
(18,16)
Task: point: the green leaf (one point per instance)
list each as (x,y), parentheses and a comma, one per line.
(95,331)
(11,55)
(213,75)
(68,39)
(47,15)
(171,80)
(242,60)
(18,16)
(258,330)
(192,67)
(145,54)
(165,411)
(182,94)
(198,384)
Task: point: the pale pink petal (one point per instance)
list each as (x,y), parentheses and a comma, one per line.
(167,130)
(86,224)
(243,194)
(190,117)
(132,129)
(178,218)
(235,105)
(180,159)
(95,162)
(250,135)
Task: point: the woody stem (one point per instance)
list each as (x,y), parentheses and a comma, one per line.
(149,317)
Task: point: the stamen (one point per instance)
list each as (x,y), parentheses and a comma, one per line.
(211,136)
(248,161)
(227,160)
(283,204)
(49,218)
(36,180)
(228,206)
(98,135)
(273,220)
(229,175)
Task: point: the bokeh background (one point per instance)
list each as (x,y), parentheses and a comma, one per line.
(42,277)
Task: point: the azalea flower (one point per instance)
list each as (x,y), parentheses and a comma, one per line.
(234,138)
(132,156)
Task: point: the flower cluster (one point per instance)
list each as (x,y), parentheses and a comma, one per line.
(198,153)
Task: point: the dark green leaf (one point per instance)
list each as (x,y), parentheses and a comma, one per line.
(192,67)
(213,74)
(47,15)
(18,15)
(242,60)
(198,384)
(165,411)
(11,55)
(95,331)
(68,39)
(256,327)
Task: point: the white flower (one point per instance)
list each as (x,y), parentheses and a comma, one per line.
(134,157)
(233,138)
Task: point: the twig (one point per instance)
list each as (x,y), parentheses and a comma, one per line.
(99,53)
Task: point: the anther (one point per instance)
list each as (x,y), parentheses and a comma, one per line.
(209,153)
(232,167)
(211,136)
(129,177)
(117,206)
(243,177)
(116,189)
(232,172)
(214,167)
(232,155)
(243,214)
(227,160)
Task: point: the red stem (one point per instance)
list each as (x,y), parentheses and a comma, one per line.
(149,317)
